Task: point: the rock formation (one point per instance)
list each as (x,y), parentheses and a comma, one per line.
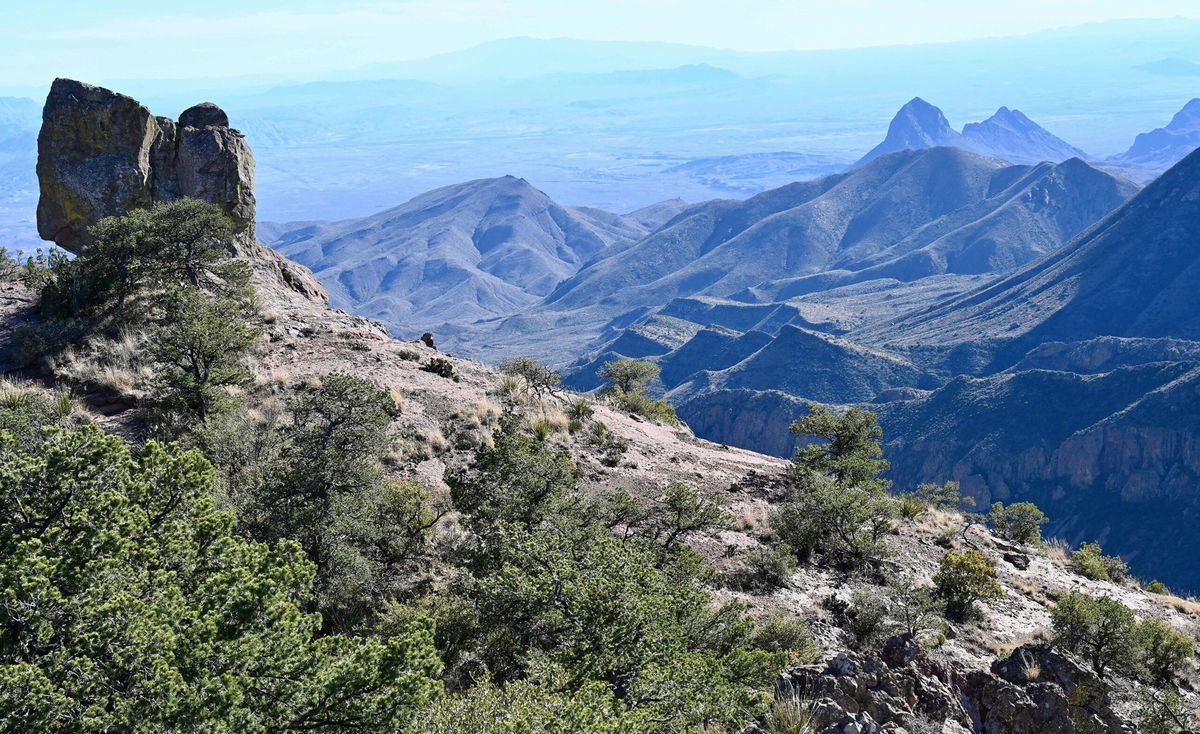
(102,154)
(1036,690)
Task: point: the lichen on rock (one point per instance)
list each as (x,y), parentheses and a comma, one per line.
(103,154)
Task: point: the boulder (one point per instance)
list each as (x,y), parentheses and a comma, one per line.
(102,154)
(205,114)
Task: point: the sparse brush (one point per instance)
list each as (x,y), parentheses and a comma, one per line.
(911,508)
(436,441)
(64,404)
(580,409)
(440,367)
(1056,548)
(542,428)
(487,411)
(15,396)
(792,714)
(408,355)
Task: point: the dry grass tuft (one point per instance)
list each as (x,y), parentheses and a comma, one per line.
(751,518)
(1056,549)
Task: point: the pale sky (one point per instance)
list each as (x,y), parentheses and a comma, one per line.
(146,39)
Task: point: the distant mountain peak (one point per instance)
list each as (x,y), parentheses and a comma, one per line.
(1008,134)
(917,125)
(1156,151)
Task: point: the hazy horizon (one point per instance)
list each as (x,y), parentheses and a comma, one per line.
(224,39)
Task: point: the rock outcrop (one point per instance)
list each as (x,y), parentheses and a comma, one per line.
(102,154)
(1036,690)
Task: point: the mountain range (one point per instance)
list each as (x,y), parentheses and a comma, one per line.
(1008,135)
(461,253)
(1027,330)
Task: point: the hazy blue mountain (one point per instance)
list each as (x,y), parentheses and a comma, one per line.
(917,125)
(1007,134)
(906,215)
(1010,135)
(1170,67)
(476,250)
(1136,273)
(616,125)
(1156,151)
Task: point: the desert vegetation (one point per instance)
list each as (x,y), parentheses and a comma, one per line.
(260,556)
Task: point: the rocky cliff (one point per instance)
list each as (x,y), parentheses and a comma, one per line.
(103,154)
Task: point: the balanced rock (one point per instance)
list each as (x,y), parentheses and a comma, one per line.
(205,114)
(103,154)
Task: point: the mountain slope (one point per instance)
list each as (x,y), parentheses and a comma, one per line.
(1156,151)
(475,250)
(906,215)
(1136,273)
(1010,135)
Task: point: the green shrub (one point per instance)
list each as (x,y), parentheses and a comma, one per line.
(143,582)
(628,375)
(1163,652)
(644,405)
(539,379)
(580,409)
(846,525)
(962,580)
(132,259)
(1021,521)
(867,620)
(1163,711)
(912,608)
(946,496)
(535,706)
(768,567)
(910,508)
(408,355)
(1100,629)
(1157,587)
(440,367)
(200,350)
(782,632)
(1090,562)
(849,449)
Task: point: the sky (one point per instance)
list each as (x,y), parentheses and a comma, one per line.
(151,39)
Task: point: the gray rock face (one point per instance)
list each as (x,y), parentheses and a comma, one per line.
(205,114)
(102,154)
(1037,690)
